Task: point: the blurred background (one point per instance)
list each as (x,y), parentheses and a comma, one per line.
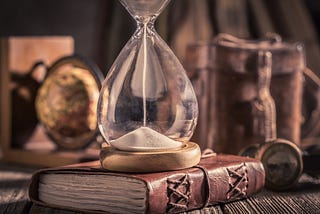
(100,28)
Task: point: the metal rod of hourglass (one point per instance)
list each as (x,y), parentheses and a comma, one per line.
(147,25)
(264,96)
(144,74)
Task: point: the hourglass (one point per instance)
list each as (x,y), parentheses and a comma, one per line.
(147,109)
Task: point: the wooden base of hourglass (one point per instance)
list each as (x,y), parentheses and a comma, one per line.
(155,161)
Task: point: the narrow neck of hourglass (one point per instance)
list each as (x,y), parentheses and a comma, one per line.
(145,25)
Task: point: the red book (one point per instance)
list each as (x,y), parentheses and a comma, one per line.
(88,187)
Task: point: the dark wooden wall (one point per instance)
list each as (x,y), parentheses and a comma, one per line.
(101,27)
(82,19)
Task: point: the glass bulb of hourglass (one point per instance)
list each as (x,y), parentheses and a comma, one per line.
(146,102)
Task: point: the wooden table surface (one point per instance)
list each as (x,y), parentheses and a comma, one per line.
(304,198)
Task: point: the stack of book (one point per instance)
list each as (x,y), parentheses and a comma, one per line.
(89,188)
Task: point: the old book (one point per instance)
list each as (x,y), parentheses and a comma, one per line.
(87,187)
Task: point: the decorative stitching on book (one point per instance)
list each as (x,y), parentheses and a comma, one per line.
(238,181)
(178,193)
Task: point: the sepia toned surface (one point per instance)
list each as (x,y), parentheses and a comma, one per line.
(303,198)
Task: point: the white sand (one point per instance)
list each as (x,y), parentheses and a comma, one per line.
(144,139)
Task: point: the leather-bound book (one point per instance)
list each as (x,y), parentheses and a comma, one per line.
(87,187)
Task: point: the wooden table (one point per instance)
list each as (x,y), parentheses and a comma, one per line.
(304,198)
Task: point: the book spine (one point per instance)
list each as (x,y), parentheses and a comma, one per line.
(201,187)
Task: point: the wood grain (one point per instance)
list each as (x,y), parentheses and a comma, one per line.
(14,181)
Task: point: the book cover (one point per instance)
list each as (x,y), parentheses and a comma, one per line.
(87,187)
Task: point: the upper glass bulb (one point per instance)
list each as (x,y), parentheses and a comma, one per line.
(146,102)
